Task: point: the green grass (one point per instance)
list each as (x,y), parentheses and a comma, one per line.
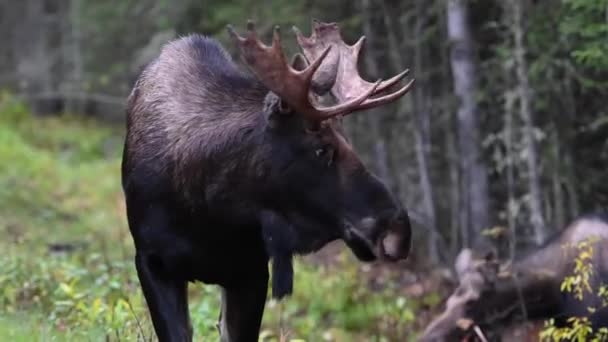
(60,184)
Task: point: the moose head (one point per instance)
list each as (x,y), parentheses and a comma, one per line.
(326,190)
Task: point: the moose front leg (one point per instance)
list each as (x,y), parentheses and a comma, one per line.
(167,300)
(243,308)
(164,291)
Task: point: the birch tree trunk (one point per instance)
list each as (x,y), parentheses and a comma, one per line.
(475,204)
(559,217)
(525,98)
(568,160)
(31,49)
(450,141)
(379,145)
(72,37)
(422,132)
(510,170)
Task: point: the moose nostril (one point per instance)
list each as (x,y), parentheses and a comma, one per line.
(397,218)
(368,223)
(391,244)
(402,218)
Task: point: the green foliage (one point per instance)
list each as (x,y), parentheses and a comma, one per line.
(336,306)
(111,33)
(77,293)
(578,284)
(579,330)
(585,23)
(58,189)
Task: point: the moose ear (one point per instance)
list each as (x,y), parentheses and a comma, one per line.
(275,109)
(325,78)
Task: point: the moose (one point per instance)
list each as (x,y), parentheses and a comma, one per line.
(491,295)
(226,169)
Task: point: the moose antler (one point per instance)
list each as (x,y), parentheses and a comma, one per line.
(348,82)
(270,66)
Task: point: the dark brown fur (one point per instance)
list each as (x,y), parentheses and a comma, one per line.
(167,125)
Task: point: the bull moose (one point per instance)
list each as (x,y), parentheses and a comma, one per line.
(529,288)
(224,170)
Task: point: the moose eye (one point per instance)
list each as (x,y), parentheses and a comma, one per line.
(325,152)
(320,152)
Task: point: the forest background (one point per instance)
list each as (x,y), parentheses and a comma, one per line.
(502,142)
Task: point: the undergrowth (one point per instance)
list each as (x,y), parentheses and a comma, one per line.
(579,285)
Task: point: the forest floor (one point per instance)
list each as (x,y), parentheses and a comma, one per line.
(66,263)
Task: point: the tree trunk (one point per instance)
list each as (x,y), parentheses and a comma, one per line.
(31,52)
(510,169)
(422,132)
(473,170)
(379,145)
(525,98)
(452,158)
(74,55)
(559,218)
(568,160)
(423,135)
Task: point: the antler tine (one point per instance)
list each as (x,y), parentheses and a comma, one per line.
(349,106)
(299,36)
(387,84)
(276,38)
(235,36)
(270,66)
(358,46)
(379,101)
(314,66)
(348,81)
(251,27)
